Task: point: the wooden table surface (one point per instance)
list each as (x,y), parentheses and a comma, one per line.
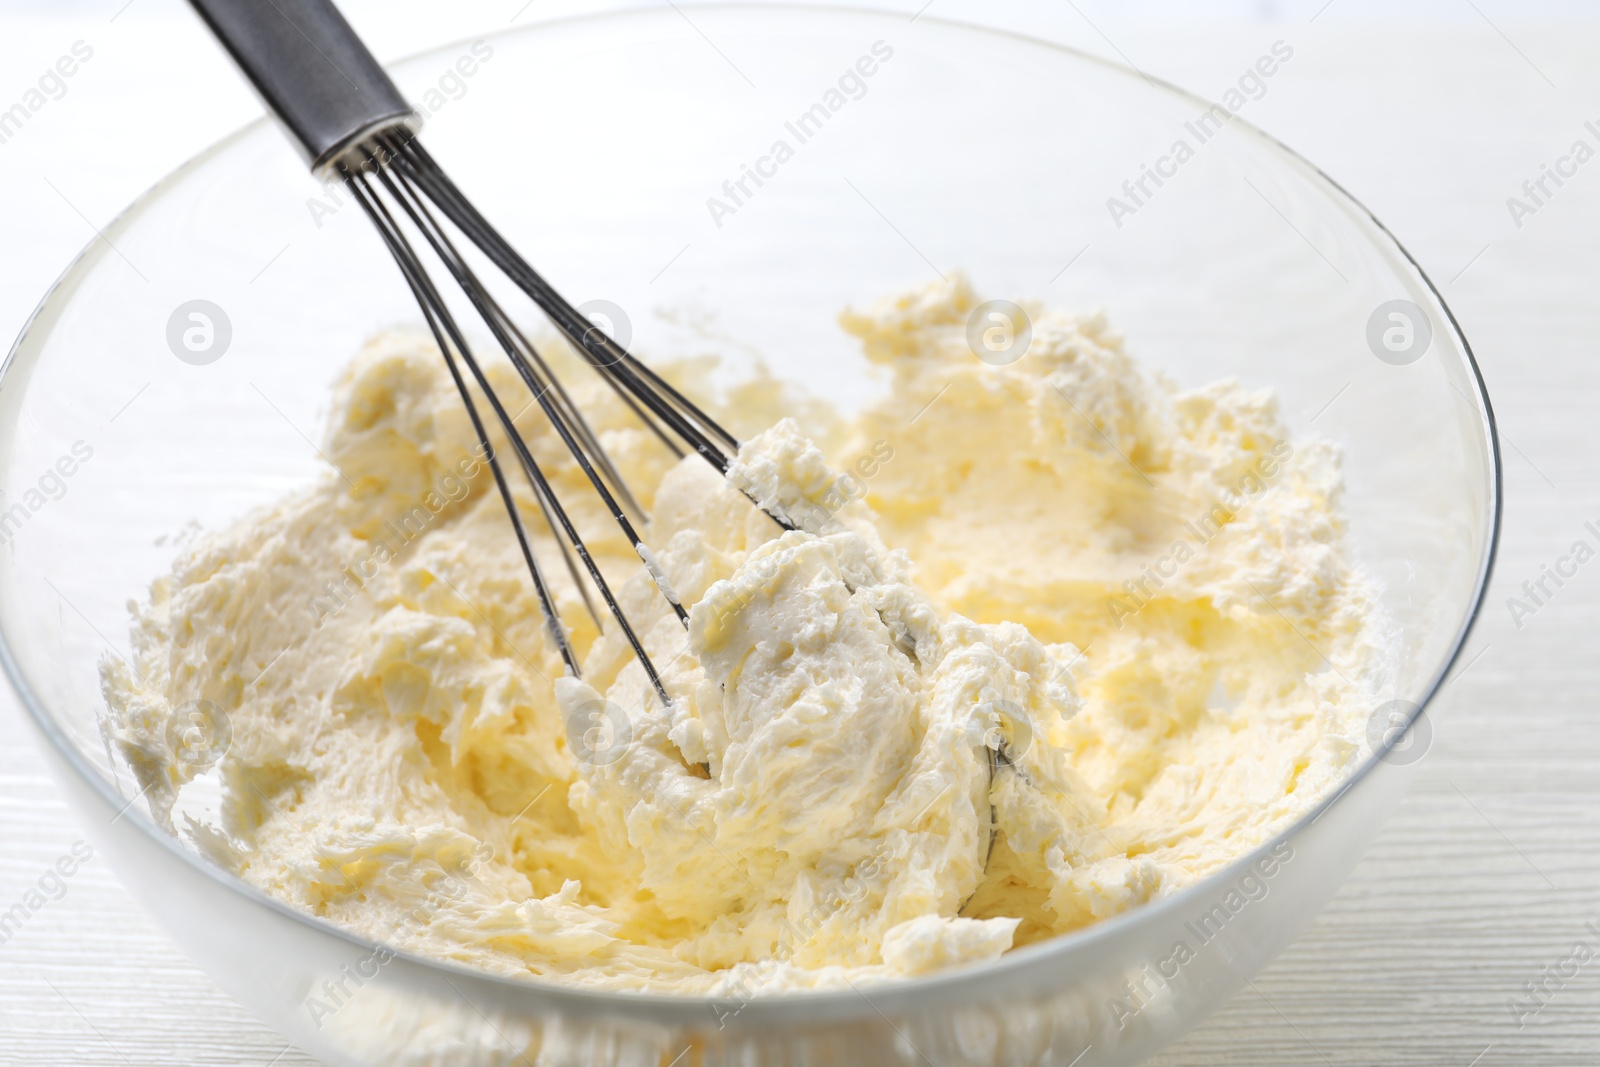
(1485,876)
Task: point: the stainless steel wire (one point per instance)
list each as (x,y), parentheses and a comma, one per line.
(415,206)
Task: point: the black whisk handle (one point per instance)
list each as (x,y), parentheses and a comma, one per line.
(311,69)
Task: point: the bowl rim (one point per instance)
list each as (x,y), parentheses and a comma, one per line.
(789,1007)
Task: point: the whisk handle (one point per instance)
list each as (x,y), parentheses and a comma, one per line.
(311,69)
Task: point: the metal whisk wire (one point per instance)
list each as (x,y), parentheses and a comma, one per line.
(400,168)
(349,119)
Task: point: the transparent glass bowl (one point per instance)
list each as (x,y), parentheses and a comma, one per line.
(595,144)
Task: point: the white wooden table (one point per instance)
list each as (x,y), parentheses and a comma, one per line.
(1490,869)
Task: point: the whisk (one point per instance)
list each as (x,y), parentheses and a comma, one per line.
(350,122)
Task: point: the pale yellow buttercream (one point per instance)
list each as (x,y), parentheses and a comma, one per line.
(1051,639)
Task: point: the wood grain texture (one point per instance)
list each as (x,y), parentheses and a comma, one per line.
(1489,869)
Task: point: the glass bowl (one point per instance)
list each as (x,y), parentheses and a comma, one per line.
(597,145)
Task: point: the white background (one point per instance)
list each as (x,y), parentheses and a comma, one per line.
(1433,113)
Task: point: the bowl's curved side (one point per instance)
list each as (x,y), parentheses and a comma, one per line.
(1151,976)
